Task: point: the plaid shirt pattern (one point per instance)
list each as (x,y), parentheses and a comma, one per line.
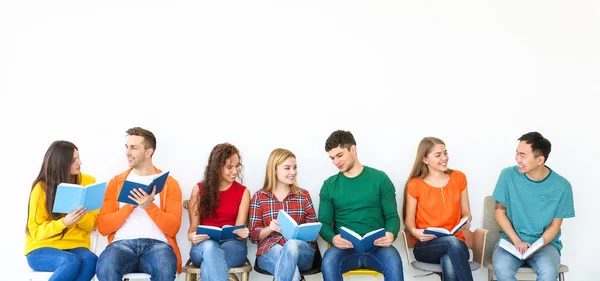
(264,208)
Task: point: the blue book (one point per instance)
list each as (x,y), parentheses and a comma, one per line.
(291,230)
(219,233)
(70,196)
(362,243)
(440,232)
(158,181)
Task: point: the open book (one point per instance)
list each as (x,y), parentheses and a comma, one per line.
(364,243)
(70,196)
(509,247)
(219,233)
(159,180)
(439,232)
(291,230)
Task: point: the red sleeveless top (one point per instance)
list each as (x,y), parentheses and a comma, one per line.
(227,209)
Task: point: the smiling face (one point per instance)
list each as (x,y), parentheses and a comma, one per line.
(75,163)
(137,154)
(437,159)
(287,171)
(343,158)
(526,159)
(231,169)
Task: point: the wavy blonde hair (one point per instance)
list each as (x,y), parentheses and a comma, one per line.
(277,157)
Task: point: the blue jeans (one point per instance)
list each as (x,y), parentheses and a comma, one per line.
(450,252)
(545,263)
(285,263)
(77,264)
(381,259)
(216,259)
(150,256)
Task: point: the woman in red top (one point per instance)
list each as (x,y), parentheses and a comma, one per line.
(217,201)
(436,196)
(281,257)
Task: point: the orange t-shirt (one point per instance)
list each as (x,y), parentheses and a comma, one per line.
(438,206)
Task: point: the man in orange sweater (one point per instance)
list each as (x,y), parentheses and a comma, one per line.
(141,237)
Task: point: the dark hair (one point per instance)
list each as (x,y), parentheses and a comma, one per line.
(539,144)
(56,169)
(339,138)
(149,139)
(212,177)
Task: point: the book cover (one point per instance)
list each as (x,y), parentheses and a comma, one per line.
(362,243)
(509,247)
(217,233)
(159,181)
(69,197)
(439,232)
(291,230)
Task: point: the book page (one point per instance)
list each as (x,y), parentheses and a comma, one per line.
(209,227)
(534,247)
(374,232)
(460,224)
(509,247)
(351,233)
(437,229)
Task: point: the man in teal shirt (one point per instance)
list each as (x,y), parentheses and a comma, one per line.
(361,199)
(531,202)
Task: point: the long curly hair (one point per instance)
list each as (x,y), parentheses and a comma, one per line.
(212,177)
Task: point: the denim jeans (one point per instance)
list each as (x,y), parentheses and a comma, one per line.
(285,263)
(451,253)
(150,256)
(381,259)
(545,263)
(77,264)
(215,259)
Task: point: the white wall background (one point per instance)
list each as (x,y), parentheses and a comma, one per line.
(267,74)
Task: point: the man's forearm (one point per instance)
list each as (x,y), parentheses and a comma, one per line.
(505,223)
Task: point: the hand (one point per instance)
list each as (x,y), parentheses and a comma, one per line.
(74,216)
(274,226)
(418,233)
(467,226)
(242,232)
(341,243)
(384,241)
(142,198)
(197,238)
(522,246)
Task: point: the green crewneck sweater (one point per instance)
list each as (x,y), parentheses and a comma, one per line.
(363,203)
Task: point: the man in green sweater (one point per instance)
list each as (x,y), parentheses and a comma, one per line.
(361,199)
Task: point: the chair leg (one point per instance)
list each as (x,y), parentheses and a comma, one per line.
(490,275)
(190,277)
(561,276)
(233,277)
(246,276)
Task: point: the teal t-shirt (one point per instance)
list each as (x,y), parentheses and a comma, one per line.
(531,205)
(363,204)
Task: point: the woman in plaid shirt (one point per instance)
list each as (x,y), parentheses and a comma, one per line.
(281,257)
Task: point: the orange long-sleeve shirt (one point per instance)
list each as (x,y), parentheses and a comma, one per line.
(167,217)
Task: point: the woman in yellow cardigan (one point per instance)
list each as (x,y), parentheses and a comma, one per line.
(59,242)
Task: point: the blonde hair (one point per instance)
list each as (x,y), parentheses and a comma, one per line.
(277,157)
(420,169)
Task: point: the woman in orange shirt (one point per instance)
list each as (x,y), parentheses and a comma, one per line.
(436,196)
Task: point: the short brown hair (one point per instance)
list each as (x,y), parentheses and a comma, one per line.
(149,139)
